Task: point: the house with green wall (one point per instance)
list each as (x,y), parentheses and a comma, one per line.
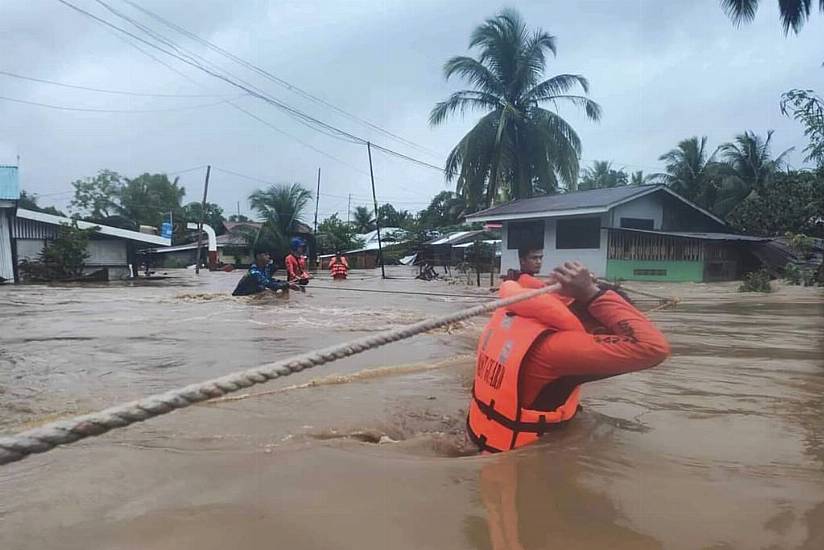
(635,233)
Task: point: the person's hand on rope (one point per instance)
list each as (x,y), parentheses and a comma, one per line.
(576,281)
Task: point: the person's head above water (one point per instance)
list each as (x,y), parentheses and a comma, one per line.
(296,244)
(262,258)
(530,259)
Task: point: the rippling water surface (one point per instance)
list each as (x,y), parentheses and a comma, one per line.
(721,447)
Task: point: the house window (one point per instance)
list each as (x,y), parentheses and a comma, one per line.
(650,272)
(525,235)
(637,223)
(578,233)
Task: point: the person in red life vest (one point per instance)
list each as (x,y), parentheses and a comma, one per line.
(534,355)
(339,266)
(295,264)
(530,260)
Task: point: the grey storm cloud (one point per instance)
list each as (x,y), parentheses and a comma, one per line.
(662,70)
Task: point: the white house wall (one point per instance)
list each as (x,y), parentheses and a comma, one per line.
(6,264)
(106,253)
(594,258)
(649,207)
(29,249)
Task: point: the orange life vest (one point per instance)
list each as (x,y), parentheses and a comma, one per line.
(339,269)
(497,421)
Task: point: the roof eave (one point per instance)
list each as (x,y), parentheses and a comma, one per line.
(541,214)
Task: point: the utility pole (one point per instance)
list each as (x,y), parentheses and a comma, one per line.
(375,201)
(238,210)
(202,219)
(349,209)
(317,201)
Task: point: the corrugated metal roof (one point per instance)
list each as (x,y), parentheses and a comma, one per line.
(9,183)
(597,199)
(695,235)
(102,229)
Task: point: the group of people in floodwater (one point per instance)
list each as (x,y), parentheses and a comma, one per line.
(260,276)
(533,355)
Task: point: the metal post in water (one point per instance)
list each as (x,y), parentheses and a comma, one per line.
(202,219)
(375,201)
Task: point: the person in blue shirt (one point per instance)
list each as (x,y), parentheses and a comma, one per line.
(259,278)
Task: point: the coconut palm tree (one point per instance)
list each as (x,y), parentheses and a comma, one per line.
(794,13)
(751,168)
(638,178)
(692,172)
(363,220)
(281,207)
(517,147)
(601,175)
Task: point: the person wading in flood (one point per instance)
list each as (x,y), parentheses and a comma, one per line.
(296,264)
(259,278)
(533,357)
(339,266)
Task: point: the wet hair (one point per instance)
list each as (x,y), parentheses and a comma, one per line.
(524,251)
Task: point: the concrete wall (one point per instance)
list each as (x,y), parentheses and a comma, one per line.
(649,207)
(107,252)
(594,258)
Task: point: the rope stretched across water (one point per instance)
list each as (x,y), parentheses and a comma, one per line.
(45,438)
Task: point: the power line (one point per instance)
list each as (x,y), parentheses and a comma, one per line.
(91,110)
(289,86)
(296,113)
(102,90)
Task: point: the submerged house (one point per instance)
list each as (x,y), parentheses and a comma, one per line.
(642,233)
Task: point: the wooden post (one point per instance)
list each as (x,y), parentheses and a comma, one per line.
(375,201)
(202,219)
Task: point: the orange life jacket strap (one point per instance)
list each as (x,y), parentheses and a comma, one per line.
(516,426)
(479,440)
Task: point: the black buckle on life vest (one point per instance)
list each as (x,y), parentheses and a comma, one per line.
(489,410)
(542,425)
(479,440)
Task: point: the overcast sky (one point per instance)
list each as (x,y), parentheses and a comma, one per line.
(662,70)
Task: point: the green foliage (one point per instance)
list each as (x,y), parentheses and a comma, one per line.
(363,220)
(238,218)
(794,202)
(800,243)
(446,208)
(794,13)
(29,202)
(282,207)
(756,281)
(808,109)
(148,199)
(98,197)
(692,172)
(638,178)
(795,274)
(214,215)
(390,217)
(601,175)
(517,148)
(334,235)
(62,258)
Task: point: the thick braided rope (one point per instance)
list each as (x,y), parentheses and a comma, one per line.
(45,438)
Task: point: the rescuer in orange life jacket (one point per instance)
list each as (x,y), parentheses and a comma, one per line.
(534,355)
(339,266)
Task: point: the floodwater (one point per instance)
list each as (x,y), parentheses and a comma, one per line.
(721,447)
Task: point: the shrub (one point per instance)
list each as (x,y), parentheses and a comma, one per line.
(797,275)
(756,281)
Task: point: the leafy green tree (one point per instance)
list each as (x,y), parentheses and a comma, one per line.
(239,218)
(693,172)
(794,13)
(638,178)
(518,148)
(214,215)
(98,197)
(363,220)
(334,235)
(390,217)
(807,108)
(446,208)
(793,202)
(29,202)
(601,176)
(750,169)
(148,199)
(62,258)
(281,207)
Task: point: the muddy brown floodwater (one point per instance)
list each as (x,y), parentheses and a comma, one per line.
(720,447)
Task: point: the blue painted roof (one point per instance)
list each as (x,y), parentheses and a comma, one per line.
(9,184)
